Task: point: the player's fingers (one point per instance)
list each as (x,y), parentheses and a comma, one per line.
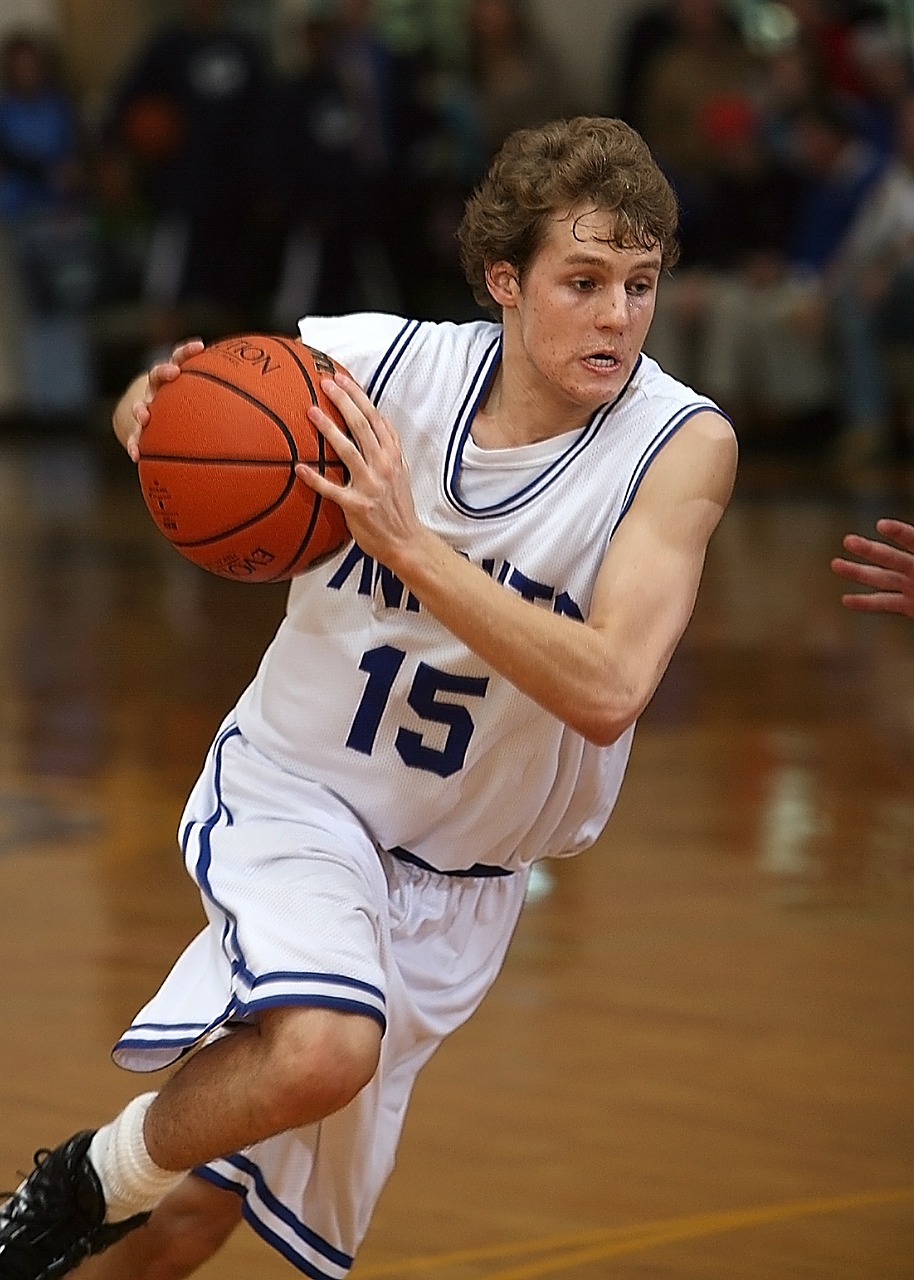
(359,414)
(868,575)
(331,489)
(880,553)
(899,531)
(184,350)
(380,427)
(875,602)
(846,568)
(158,375)
(167,370)
(348,448)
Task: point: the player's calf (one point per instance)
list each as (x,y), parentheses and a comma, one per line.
(184,1231)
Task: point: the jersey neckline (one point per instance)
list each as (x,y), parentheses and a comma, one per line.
(460,431)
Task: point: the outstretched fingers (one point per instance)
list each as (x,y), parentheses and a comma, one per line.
(886,569)
(878,553)
(898,531)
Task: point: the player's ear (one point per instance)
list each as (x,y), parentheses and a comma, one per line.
(503,283)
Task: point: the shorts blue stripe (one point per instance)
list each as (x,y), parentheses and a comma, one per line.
(306,1234)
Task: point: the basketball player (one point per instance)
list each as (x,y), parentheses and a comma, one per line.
(889,571)
(449,699)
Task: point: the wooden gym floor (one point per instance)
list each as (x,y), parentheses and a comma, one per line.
(699,1061)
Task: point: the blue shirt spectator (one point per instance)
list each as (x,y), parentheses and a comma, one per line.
(838,169)
(39,133)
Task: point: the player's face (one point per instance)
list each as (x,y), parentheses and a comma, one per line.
(578,318)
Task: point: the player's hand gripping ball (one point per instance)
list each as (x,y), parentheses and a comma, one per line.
(218,457)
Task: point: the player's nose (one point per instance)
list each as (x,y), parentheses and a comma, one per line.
(613,308)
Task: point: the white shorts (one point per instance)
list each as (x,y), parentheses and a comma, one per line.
(304,909)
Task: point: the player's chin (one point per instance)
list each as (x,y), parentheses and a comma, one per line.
(597,386)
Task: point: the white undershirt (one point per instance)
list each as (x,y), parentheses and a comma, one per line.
(490,476)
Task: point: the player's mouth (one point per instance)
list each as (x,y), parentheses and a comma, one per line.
(604,361)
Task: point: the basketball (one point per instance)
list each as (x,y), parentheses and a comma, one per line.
(218,456)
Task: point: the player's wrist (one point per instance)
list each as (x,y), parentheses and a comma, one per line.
(423,561)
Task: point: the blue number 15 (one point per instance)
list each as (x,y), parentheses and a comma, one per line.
(382,667)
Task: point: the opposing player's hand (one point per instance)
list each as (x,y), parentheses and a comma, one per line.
(377,502)
(887,570)
(132,412)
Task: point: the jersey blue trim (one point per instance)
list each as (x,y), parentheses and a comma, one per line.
(311,1001)
(332,980)
(550,473)
(666,432)
(479,385)
(374,389)
(181,1036)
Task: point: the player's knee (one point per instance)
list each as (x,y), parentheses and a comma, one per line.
(318,1060)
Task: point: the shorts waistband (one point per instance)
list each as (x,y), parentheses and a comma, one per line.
(479,869)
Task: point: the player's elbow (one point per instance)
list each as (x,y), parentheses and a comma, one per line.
(602,721)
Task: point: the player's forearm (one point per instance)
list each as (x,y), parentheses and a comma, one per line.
(564,665)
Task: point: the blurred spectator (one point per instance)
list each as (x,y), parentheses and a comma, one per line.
(739,239)
(767,357)
(838,168)
(871,288)
(652,30)
(882,57)
(826,34)
(384,89)
(791,80)
(316,177)
(649,31)
(187,115)
(515,77)
(45,219)
(706,57)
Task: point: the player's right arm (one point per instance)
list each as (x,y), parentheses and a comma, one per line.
(131,413)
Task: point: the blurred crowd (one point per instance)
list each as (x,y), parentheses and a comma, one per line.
(219,190)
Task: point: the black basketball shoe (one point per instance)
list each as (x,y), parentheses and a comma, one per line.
(57,1217)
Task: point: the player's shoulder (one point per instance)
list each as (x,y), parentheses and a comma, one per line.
(370,343)
(682,427)
(653,384)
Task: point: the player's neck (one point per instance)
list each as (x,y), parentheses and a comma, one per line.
(515,413)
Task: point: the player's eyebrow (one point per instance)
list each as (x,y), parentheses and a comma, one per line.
(651,262)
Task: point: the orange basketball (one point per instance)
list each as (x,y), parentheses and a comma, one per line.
(218,457)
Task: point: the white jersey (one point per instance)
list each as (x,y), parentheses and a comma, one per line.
(366,692)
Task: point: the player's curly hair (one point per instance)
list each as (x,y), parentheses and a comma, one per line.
(560,166)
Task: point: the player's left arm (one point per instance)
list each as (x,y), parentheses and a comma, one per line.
(598,676)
